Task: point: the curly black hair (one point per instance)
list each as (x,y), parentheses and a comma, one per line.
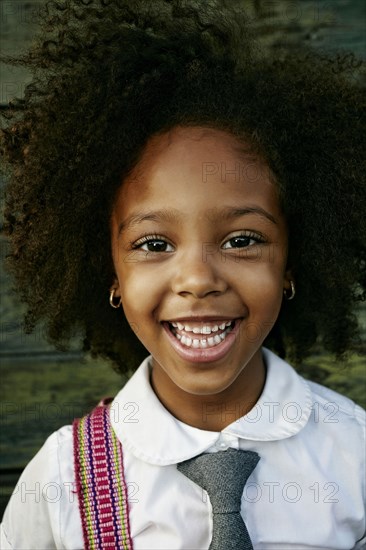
(109,74)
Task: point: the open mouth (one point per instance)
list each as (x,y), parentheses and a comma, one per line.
(201,335)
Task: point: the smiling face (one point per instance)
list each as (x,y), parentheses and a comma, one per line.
(199,247)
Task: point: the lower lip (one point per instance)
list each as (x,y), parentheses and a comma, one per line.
(206,355)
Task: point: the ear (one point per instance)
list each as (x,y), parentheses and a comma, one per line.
(115,286)
(287,278)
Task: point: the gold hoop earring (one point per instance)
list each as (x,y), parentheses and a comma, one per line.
(111,298)
(293,292)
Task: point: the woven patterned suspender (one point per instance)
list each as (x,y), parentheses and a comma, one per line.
(101,487)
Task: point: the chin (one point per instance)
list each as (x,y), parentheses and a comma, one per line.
(205,389)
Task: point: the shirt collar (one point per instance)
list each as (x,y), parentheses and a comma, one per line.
(153,434)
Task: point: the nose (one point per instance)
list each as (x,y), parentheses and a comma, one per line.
(197,274)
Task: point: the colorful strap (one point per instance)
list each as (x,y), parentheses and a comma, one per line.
(101,487)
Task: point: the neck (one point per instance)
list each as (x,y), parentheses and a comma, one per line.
(212,412)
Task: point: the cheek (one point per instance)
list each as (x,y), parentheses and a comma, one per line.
(263,290)
(140,294)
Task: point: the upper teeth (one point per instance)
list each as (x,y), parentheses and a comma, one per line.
(202,329)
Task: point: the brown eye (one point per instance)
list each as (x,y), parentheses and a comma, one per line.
(242,241)
(153,244)
(238,242)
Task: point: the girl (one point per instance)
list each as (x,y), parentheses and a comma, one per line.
(194,205)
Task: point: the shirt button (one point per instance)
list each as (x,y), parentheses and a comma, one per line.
(221,445)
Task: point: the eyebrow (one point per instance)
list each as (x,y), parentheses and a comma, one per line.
(151,215)
(174,215)
(230,213)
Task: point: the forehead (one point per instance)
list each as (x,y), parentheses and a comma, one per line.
(199,148)
(189,166)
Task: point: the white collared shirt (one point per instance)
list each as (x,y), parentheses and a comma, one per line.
(307,491)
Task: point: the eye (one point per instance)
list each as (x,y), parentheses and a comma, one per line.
(243,241)
(153,243)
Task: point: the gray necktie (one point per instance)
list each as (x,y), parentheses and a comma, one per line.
(223,475)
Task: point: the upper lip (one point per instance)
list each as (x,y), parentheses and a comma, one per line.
(201,318)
